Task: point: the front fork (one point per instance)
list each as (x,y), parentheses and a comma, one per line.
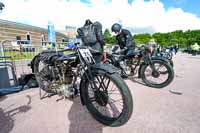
(148,61)
(155,72)
(101,92)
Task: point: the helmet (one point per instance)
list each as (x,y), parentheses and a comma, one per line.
(116,27)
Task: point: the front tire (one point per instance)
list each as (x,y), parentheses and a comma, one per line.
(107,117)
(168,72)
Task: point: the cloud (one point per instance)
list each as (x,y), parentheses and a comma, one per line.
(140,15)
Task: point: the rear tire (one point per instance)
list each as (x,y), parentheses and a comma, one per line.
(36,70)
(168,71)
(126,97)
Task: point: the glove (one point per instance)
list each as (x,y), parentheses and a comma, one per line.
(125,48)
(122,51)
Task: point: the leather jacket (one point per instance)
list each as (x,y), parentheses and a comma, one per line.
(125,40)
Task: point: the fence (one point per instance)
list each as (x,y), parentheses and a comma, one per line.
(15,57)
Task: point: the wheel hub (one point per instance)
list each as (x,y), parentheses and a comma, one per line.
(155,74)
(101,98)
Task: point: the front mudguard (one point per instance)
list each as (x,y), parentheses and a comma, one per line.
(153,58)
(105,68)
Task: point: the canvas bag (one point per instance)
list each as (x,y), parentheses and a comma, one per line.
(88,34)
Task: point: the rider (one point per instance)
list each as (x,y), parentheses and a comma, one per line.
(124,39)
(96,45)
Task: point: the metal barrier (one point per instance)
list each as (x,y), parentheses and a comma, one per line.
(16,55)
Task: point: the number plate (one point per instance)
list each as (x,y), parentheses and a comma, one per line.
(86,54)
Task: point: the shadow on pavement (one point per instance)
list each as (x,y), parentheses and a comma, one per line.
(2,98)
(81,120)
(6,117)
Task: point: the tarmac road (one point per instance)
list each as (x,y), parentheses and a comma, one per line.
(155,110)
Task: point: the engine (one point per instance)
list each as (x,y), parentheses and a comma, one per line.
(128,66)
(58,79)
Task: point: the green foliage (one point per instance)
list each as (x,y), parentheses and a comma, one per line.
(162,39)
(142,38)
(106,33)
(108,38)
(183,39)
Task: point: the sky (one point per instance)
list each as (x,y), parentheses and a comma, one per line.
(139,16)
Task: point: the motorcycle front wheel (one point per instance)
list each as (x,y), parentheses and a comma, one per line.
(108,99)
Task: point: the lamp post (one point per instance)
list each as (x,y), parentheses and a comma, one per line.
(1,46)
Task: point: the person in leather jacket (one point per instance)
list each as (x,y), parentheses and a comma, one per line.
(124,39)
(98,46)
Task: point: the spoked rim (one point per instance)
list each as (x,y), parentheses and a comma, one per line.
(107,99)
(159,76)
(38,68)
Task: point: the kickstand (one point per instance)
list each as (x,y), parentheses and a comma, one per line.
(46,94)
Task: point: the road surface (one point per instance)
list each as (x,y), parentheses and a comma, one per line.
(155,110)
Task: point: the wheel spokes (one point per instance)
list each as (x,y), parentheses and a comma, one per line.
(114,103)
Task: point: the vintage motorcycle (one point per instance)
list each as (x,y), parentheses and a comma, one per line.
(101,89)
(155,71)
(163,54)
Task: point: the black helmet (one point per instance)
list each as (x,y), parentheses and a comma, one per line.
(116,27)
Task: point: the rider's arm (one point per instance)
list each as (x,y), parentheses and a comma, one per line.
(99,33)
(100,36)
(130,43)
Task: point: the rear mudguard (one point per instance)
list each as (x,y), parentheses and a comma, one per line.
(47,58)
(152,58)
(107,68)
(160,58)
(32,62)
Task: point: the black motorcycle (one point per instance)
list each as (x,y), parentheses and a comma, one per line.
(155,71)
(102,90)
(163,54)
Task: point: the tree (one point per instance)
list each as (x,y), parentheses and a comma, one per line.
(183,39)
(108,38)
(142,38)
(106,33)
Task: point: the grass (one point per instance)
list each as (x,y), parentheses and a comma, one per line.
(19,55)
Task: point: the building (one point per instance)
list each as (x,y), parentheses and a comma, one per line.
(18,31)
(70,31)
